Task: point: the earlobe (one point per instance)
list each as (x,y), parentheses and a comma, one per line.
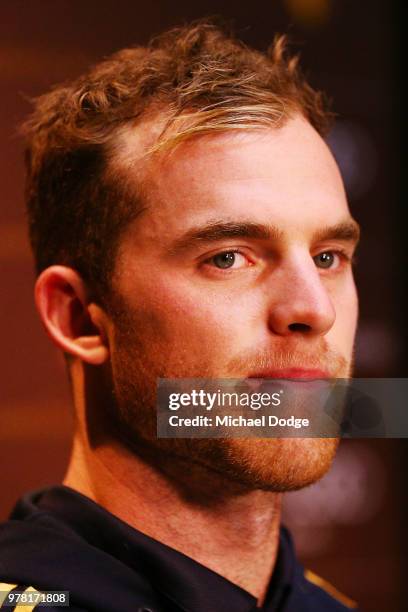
(73,324)
(91,349)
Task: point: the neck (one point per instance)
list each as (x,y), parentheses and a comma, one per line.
(241,526)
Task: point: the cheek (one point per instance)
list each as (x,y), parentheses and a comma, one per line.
(346,305)
(187,315)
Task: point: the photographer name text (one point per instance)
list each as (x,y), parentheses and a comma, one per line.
(238,421)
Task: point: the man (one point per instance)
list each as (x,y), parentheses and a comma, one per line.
(187,220)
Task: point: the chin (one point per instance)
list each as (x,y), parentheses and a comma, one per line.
(280,465)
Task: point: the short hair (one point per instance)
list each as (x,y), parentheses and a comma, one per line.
(200,78)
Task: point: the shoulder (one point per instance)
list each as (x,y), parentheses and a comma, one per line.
(42,568)
(40,558)
(324,595)
(309,592)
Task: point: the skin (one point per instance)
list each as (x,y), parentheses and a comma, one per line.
(177,312)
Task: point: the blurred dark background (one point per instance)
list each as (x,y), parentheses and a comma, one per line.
(350,527)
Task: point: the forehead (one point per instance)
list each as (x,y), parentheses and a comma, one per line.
(285,176)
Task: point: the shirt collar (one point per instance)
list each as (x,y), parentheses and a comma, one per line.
(189,585)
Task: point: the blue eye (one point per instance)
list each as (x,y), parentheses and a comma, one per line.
(224,260)
(324,260)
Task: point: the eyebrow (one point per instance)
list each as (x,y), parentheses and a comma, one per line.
(218,230)
(348,231)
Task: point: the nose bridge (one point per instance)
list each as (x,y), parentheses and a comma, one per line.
(301,301)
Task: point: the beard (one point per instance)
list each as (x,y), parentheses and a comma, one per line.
(273,464)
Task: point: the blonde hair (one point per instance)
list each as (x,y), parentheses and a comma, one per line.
(200,79)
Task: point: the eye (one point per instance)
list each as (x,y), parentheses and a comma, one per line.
(326,259)
(227,260)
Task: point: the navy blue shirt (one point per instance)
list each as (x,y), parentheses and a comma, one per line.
(58,539)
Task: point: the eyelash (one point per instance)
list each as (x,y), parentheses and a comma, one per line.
(226,270)
(342,254)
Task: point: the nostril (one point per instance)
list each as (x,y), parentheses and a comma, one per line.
(299,327)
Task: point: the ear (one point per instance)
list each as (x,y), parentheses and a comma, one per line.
(76,326)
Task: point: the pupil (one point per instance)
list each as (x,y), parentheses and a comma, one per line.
(325,260)
(224,260)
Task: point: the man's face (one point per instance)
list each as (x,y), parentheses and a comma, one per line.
(239,267)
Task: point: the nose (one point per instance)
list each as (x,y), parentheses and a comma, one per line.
(300,303)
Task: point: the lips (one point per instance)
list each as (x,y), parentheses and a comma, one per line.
(301,386)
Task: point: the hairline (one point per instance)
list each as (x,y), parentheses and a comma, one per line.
(157,138)
(160,145)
